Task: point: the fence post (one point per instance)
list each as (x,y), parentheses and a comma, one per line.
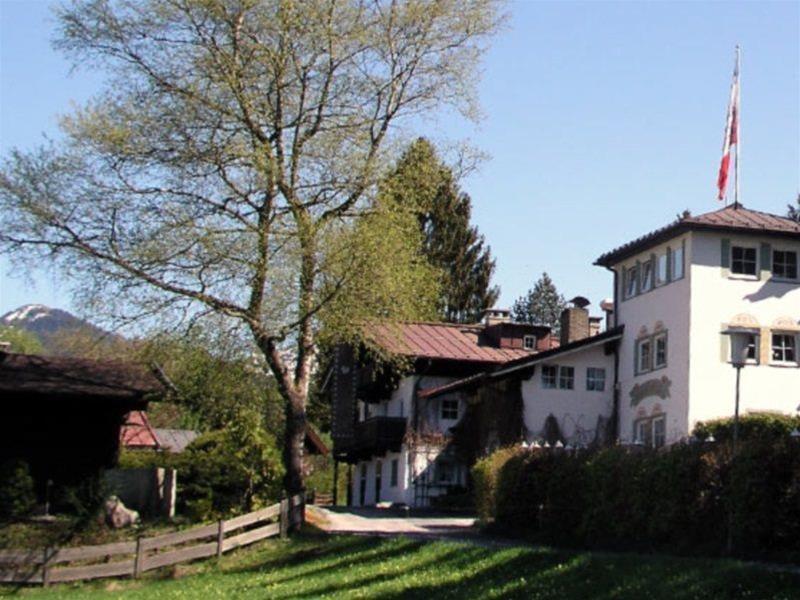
(137,562)
(284,522)
(220,536)
(46,567)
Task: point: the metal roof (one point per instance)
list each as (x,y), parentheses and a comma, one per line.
(734,218)
(441,341)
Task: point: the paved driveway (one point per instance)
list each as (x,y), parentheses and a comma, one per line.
(374,521)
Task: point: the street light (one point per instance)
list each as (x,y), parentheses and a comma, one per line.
(742,340)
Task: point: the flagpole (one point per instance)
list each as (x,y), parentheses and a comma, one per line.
(738,128)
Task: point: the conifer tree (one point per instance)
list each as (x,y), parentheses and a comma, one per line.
(542,305)
(794,211)
(423,183)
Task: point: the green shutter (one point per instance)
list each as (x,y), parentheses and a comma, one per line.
(725,258)
(766,259)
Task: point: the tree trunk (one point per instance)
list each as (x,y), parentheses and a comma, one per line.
(294,438)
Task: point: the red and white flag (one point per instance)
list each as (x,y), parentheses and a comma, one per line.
(731,134)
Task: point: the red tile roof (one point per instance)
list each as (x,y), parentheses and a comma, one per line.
(441,341)
(137,433)
(736,219)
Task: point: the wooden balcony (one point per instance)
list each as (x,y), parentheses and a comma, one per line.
(374,437)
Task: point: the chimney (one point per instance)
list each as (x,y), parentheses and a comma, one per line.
(575,321)
(595,325)
(493,316)
(608,307)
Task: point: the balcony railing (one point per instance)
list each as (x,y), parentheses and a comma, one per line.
(374,437)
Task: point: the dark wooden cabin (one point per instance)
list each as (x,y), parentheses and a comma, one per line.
(63,415)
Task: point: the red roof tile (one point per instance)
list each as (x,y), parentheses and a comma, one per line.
(442,341)
(731,218)
(137,433)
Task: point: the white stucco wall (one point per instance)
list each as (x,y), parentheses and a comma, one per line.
(719,298)
(576,410)
(667,308)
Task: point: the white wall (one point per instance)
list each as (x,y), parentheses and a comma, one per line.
(719,298)
(576,410)
(667,307)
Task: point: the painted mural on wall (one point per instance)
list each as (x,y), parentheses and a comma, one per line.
(652,387)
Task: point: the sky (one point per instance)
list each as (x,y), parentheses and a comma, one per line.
(602,121)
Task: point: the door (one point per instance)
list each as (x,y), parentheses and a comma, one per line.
(363,485)
(378,474)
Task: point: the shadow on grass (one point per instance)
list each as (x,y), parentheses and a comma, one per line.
(416,569)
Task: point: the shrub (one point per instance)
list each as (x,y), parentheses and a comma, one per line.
(484,481)
(753,426)
(17,496)
(677,499)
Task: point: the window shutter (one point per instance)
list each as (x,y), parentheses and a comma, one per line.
(636,357)
(726,254)
(669,264)
(766,258)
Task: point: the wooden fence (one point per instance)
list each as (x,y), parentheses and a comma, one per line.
(132,558)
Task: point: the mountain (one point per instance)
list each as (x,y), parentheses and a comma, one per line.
(51,325)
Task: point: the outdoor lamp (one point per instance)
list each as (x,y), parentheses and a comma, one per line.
(741,340)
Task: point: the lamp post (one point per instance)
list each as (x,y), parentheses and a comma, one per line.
(742,339)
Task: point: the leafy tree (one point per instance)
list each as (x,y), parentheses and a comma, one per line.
(794,211)
(227,167)
(542,305)
(421,182)
(21,341)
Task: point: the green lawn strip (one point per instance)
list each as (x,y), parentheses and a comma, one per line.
(318,566)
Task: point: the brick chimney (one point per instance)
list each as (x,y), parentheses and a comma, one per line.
(575,321)
(493,316)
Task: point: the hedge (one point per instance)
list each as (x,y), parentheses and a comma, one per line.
(677,499)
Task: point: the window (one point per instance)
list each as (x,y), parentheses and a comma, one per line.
(659,432)
(662,275)
(784,264)
(651,432)
(449,409)
(752,350)
(595,379)
(549,376)
(445,472)
(630,281)
(529,342)
(647,277)
(393,476)
(645,354)
(566,378)
(784,348)
(660,357)
(743,260)
(677,263)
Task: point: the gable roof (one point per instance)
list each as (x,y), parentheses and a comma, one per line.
(137,432)
(55,377)
(734,218)
(441,341)
(525,362)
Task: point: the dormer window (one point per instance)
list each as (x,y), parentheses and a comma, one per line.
(529,342)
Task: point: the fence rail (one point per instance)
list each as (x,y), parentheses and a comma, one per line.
(46,565)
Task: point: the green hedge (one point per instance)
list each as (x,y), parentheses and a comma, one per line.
(676,499)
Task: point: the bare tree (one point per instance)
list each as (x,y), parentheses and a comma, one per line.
(228,165)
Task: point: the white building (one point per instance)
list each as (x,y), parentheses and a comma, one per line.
(663,364)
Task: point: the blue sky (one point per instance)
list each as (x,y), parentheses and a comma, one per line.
(603,120)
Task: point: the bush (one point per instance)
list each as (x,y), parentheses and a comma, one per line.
(677,499)
(753,426)
(17,496)
(484,481)
(220,473)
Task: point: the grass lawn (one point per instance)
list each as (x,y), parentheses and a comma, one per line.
(316,566)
